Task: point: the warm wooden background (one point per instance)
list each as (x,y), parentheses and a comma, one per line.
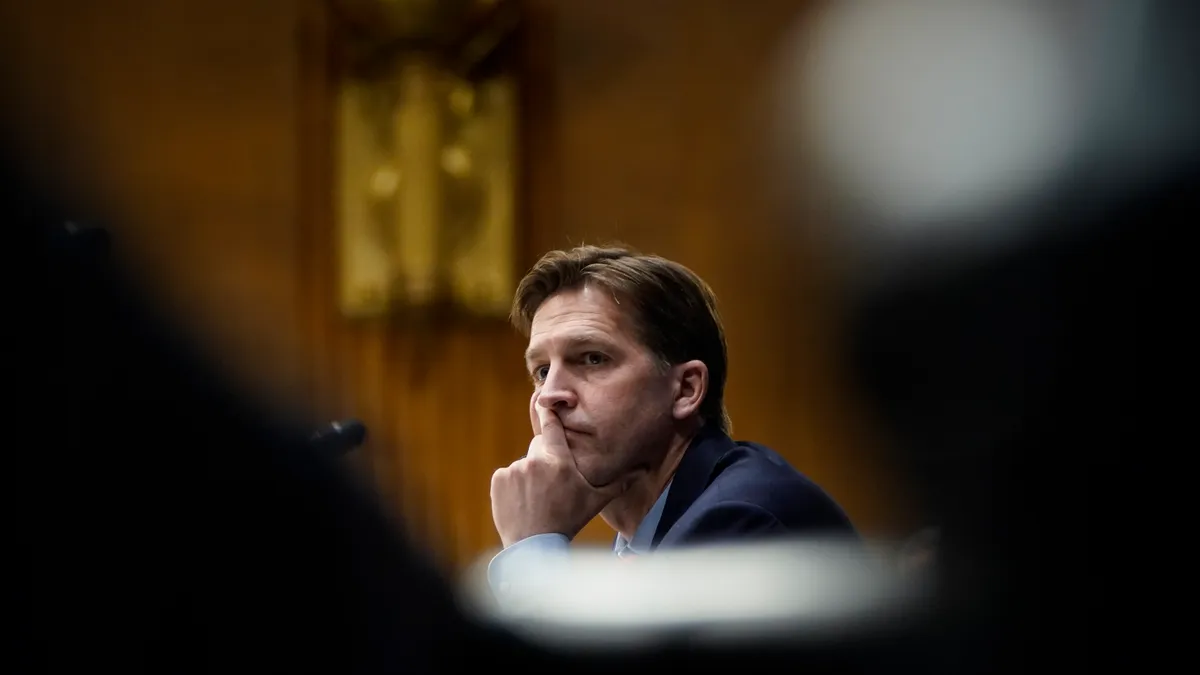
(205,125)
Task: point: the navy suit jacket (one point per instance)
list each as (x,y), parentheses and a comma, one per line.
(726,490)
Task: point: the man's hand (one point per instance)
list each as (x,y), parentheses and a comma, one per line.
(544,492)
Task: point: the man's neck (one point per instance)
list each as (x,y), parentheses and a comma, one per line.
(626,512)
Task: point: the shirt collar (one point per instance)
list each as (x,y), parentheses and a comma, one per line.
(644,536)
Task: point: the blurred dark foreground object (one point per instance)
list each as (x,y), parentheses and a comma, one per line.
(163,524)
(160,523)
(1023,398)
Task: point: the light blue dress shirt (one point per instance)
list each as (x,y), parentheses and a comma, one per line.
(518,565)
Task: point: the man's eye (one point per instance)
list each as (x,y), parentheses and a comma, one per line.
(539,373)
(594,358)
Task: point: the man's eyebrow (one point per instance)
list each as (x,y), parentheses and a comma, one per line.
(574,340)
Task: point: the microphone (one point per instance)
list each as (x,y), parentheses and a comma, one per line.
(91,238)
(81,243)
(339,438)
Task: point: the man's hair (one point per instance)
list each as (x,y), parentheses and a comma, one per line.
(674,312)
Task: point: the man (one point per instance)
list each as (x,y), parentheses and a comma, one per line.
(628,361)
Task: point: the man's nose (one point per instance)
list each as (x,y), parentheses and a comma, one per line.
(557,391)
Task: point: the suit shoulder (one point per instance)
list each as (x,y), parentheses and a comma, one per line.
(753,475)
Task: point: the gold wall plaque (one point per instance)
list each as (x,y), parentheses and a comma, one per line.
(426,188)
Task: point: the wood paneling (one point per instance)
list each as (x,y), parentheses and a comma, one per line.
(640,126)
(207,128)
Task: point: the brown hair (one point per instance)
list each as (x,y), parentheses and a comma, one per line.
(673,310)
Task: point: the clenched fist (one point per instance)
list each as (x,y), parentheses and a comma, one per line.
(544,492)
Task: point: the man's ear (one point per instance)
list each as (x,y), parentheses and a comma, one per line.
(691,385)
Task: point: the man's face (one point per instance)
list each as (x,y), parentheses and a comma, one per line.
(613,397)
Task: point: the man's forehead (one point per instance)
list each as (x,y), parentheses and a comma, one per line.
(588,298)
(587,306)
(571,317)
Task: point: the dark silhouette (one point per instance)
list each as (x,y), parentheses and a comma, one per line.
(162,523)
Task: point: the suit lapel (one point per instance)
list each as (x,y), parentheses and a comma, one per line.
(695,473)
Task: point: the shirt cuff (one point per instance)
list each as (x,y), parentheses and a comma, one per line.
(516,570)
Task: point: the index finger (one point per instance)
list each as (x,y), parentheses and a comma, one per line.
(554,438)
(533,416)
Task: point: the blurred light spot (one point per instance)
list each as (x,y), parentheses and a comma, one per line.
(922,109)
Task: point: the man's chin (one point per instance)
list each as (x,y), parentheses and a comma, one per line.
(605,480)
(601,482)
(599,477)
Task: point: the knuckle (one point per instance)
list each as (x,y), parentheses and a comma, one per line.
(544,466)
